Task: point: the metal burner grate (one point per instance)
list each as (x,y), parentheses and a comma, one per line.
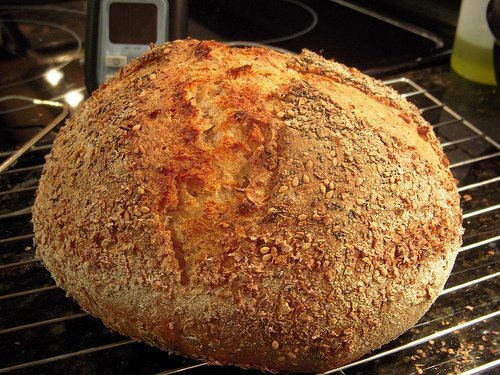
(44,332)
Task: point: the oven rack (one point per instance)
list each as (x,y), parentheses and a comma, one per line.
(43,332)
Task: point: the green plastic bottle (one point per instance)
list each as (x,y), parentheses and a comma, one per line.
(472,56)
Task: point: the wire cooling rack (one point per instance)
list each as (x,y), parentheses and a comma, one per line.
(41,331)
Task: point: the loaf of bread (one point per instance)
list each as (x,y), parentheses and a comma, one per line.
(247,207)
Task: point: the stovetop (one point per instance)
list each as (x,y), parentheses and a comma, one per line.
(42,46)
(41,55)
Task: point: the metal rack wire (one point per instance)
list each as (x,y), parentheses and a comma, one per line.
(41,331)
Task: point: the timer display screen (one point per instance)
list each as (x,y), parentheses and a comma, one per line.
(132,23)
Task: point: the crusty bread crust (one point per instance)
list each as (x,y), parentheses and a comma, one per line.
(247,207)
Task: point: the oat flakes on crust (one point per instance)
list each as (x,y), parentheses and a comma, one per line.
(247,207)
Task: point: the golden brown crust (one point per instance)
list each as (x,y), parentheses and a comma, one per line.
(247,207)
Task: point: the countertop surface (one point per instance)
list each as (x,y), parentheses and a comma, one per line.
(477,103)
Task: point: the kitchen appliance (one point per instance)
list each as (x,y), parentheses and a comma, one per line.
(119,31)
(42,331)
